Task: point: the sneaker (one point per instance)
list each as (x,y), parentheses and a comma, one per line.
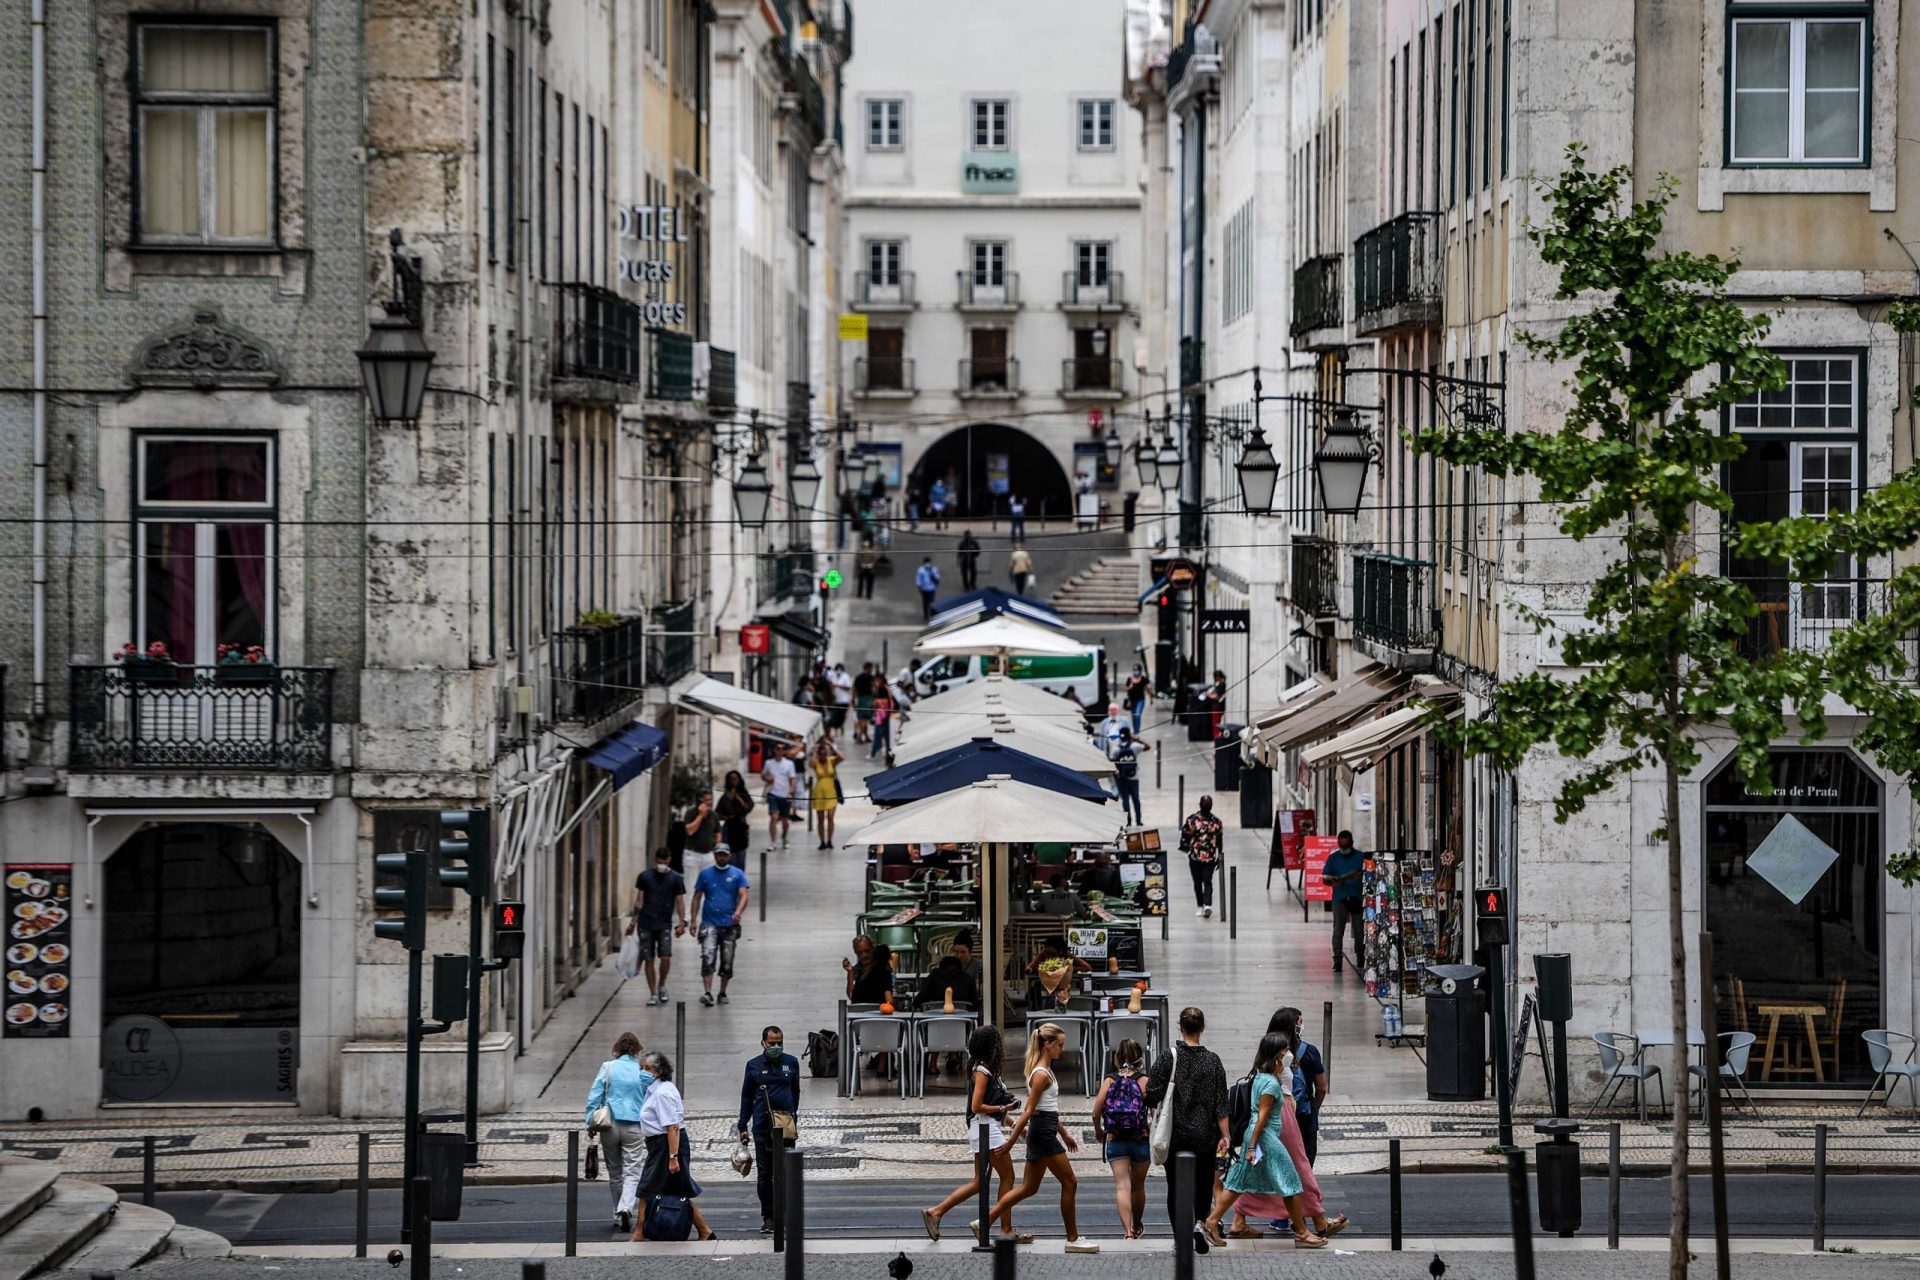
(1207,912)
(663,993)
(623,1221)
(1082,1245)
(1198,912)
(1200,1244)
(706,998)
(723,997)
(766,1226)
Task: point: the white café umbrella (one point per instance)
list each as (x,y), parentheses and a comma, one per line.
(1018,698)
(1069,747)
(991,814)
(1001,637)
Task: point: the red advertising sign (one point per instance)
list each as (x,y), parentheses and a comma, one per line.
(1316,850)
(1096,419)
(756,637)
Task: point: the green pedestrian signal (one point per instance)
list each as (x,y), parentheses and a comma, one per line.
(833,579)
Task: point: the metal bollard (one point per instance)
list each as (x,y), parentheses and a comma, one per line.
(1233,903)
(573,1192)
(1522,1214)
(1326,1040)
(680,1036)
(1393,1193)
(360,1197)
(533,1269)
(422,1241)
(1005,1260)
(1180,810)
(1820,1188)
(761,885)
(1183,1225)
(1159,778)
(984,1171)
(148,1177)
(1613,1185)
(776,1153)
(795,1172)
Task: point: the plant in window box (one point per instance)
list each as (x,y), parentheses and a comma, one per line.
(244,664)
(598,620)
(151,665)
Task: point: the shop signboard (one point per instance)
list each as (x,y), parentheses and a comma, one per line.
(984,173)
(652,240)
(1085,943)
(1144,872)
(39,903)
(1291,828)
(1315,850)
(756,637)
(853,327)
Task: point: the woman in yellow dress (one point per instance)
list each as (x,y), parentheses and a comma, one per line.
(826,789)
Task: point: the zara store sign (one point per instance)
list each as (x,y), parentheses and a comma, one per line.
(650,240)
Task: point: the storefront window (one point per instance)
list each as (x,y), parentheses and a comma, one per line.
(1793,897)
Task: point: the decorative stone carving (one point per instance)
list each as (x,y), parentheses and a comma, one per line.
(205,354)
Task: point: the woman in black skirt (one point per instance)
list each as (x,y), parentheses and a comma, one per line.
(1048,1141)
(663,1118)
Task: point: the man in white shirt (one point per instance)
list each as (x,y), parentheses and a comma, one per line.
(781,777)
(1106,735)
(842,684)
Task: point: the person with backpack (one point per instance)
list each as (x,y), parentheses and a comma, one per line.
(987,1103)
(667,1192)
(614,1104)
(1120,1122)
(1049,1143)
(1126,772)
(1286,1023)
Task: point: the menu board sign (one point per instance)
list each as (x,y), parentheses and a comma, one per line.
(39,903)
(1087,943)
(1144,873)
(1316,849)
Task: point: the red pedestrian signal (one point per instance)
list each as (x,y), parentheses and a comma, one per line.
(507,917)
(509,930)
(1490,908)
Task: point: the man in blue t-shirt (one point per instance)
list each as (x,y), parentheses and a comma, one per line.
(1309,1090)
(719,901)
(1342,874)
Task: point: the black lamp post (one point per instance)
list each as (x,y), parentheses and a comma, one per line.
(803,481)
(752,494)
(395,361)
(1341,464)
(1169,468)
(1259,470)
(1111,447)
(1146,455)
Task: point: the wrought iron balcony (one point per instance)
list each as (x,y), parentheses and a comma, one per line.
(1807,616)
(895,293)
(1002,295)
(1396,274)
(168,716)
(1097,377)
(998,376)
(598,335)
(669,365)
(722,380)
(1393,602)
(786,574)
(601,670)
(672,648)
(1318,304)
(1313,582)
(1192,362)
(883,376)
(1079,294)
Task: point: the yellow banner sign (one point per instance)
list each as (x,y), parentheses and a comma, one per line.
(853,328)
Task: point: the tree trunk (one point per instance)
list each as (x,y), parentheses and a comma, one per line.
(1677,939)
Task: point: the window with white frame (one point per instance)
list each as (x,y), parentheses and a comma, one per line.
(991,124)
(883,263)
(206,118)
(885,124)
(1797,84)
(205,516)
(1096,124)
(989,263)
(1091,262)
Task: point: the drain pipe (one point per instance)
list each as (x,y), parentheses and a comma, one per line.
(39,26)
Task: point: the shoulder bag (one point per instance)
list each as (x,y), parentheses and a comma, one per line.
(602,1118)
(785,1124)
(1162,1132)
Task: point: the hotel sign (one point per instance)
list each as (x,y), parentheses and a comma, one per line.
(655,234)
(985,173)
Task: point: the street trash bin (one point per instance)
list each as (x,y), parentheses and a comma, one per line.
(1226,758)
(1558,1162)
(1256,796)
(442,1158)
(1456,1034)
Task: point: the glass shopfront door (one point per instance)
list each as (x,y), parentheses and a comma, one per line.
(1793,895)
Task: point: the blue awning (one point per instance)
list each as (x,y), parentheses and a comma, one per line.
(1155,590)
(627,753)
(990,602)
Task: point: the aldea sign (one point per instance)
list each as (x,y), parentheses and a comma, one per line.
(986,173)
(654,231)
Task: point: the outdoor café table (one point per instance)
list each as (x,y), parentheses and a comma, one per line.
(1806,1013)
(1662,1037)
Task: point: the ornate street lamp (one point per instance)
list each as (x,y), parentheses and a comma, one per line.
(1114,452)
(1169,469)
(395,361)
(1341,464)
(1146,455)
(752,494)
(1259,475)
(803,484)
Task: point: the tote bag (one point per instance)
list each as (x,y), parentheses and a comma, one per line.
(1163,1118)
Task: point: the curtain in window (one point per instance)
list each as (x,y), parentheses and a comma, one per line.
(241,174)
(170,172)
(213,60)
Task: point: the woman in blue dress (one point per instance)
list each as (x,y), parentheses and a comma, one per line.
(1263,1179)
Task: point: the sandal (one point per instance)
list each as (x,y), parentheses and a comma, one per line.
(931,1223)
(1247,1232)
(1309,1241)
(1214,1237)
(1020,1237)
(1335,1225)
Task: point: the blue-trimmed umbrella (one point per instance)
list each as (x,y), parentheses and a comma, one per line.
(990,602)
(972,762)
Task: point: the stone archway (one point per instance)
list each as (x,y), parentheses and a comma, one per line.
(987,462)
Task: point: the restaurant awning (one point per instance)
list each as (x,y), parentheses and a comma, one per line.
(709,697)
(1069,748)
(1002,635)
(627,753)
(1292,699)
(1360,746)
(987,602)
(1355,696)
(797,626)
(1019,699)
(974,761)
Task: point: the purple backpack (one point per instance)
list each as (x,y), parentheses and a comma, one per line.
(1125,1115)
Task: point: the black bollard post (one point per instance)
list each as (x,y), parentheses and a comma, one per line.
(1180,810)
(148,1175)
(360,1197)
(1005,1260)
(1820,1188)
(795,1172)
(1613,1185)
(984,1171)
(1233,903)
(1183,1175)
(573,1192)
(533,1269)
(760,887)
(680,1035)
(1326,1040)
(1522,1214)
(1393,1193)
(422,1234)
(1159,779)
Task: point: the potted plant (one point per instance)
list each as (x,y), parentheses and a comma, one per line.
(244,664)
(151,665)
(598,620)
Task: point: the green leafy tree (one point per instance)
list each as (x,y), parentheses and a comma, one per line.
(1870,662)
(1656,349)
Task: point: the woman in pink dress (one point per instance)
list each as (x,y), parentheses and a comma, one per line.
(1310,1202)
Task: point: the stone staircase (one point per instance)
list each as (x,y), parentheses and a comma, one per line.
(1110,587)
(49,1222)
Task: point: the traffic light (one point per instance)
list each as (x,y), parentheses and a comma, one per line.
(1490,908)
(466,837)
(830,581)
(449,987)
(410,899)
(509,930)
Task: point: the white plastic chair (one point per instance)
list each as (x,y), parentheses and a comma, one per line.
(1738,1047)
(1881,1046)
(1620,1067)
(887,1036)
(1078,1026)
(939,1034)
(1143,1027)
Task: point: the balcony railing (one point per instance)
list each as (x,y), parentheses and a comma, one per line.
(998,376)
(1396,274)
(722,380)
(673,648)
(598,335)
(1078,292)
(883,374)
(998,296)
(1088,375)
(896,292)
(1807,616)
(1317,301)
(786,574)
(669,365)
(1192,361)
(1314,583)
(1393,602)
(602,670)
(163,716)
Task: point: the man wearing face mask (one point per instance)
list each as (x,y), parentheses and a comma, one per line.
(769,1105)
(658,896)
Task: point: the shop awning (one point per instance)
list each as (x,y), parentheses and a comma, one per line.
(627,753)
(1358,747)
(1357,695)
(709,697)
(1292,699)
(988,602)
(798,627)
